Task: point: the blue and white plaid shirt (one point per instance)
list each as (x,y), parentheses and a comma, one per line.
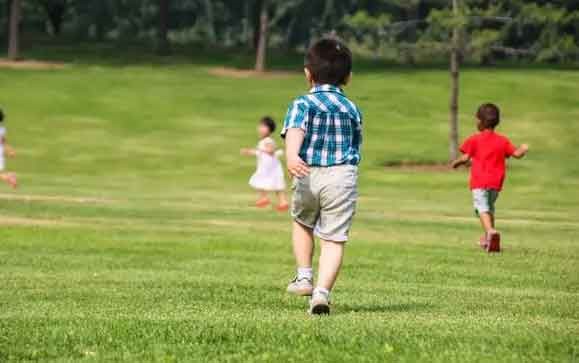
(332,125)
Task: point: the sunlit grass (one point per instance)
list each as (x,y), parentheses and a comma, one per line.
(133,238)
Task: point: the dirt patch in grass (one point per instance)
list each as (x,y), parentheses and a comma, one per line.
(30,64)
(419,166)
(247,73)
(54,198)
(18,221)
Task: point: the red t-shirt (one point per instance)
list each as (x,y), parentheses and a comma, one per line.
(488,152)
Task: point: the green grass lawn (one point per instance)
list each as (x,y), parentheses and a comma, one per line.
(132,237)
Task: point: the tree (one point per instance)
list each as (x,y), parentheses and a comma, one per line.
(261,53)
(14,31)
(210,19)
(455,83)
(163,41)
(55,11)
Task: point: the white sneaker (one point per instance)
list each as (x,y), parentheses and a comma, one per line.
(301,287)
(319,304)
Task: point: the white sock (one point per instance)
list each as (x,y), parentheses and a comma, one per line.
(305,273)
(321,290)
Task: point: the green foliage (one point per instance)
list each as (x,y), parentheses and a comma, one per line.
(552,44)
(361,21)
(403,31)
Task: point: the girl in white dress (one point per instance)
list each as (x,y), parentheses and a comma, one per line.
(269,176)
(5,149)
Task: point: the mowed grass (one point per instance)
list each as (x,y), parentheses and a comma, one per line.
(132,237)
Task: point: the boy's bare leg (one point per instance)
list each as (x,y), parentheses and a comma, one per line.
(331,256)
(492,241)
(330,263)
(303,244)
(487,220)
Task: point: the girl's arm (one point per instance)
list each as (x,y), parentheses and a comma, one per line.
(269,148)
(248,152)
(8,150)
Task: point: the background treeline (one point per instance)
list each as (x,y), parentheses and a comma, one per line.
(403,31)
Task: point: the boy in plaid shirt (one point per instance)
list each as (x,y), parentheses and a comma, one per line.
(323,133)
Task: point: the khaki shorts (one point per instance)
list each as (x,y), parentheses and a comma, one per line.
(484,200)
(325,201)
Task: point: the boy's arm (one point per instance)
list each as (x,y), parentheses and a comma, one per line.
(468,150)
(293,143)
(464,159)
(521,151)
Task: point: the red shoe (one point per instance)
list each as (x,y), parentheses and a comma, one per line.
(262,203)
(494,242)
(282,207)
(12,180)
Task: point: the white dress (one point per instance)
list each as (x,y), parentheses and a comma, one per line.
(269,175)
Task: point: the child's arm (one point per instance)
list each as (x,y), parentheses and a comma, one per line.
(463,160)
(268,148)
(8,150)
(293,143)
(248,152)
(521,151)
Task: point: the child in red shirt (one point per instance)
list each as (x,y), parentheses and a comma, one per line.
(488,151)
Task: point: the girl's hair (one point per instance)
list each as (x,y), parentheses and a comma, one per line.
(1,115)
(269,123)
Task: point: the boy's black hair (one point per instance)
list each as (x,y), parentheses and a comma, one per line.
(269,123)
(489,115)
(329,62)
(1,115)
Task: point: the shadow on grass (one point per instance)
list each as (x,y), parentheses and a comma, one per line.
(383,308)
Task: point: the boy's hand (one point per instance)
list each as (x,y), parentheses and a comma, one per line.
(521,151)
(10,152)
(297,167)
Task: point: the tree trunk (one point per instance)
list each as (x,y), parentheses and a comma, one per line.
(256,22)
(14,32)
(55,12)
(262,43)
(329,7)
(163,41)
(100,21)
(210,22)
(455,85)
(246,36)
